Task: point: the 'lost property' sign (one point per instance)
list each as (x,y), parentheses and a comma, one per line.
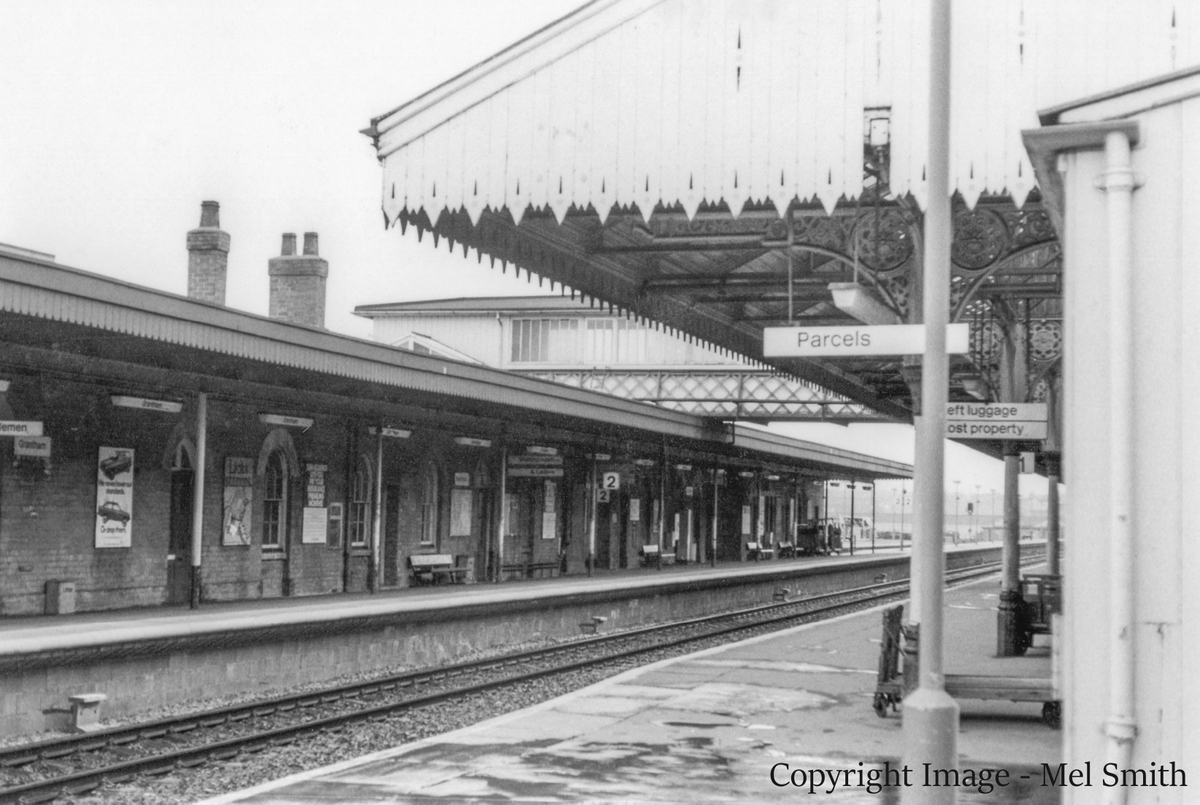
(1023,421)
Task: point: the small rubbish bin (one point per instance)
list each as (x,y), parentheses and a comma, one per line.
(60,597)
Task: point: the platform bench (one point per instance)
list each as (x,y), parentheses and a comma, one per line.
(787,550)
(756,551)
(650,555)
(432,568)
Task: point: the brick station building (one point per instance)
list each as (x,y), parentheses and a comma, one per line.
(322,462)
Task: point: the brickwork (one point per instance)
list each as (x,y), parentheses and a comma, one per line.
(47,521)
(208,257)
(298,283)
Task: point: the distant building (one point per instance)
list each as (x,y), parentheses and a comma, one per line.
(524,333)
(561,339)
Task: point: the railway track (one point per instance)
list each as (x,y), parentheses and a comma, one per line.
(75,765)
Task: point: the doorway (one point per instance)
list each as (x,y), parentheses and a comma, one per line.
(389,555)
(179,547)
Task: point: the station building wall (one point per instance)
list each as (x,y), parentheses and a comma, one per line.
(437,497)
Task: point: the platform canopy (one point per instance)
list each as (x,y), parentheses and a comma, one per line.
(716,166)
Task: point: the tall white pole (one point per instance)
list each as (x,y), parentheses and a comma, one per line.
(592,496)
(198,496)
(930,714)
(502,524)
(1121,724)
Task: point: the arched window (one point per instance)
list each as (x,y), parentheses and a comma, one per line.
(429,505)
(360,504)
(274,525)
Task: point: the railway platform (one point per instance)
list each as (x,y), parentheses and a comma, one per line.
(729,724)
(143,660)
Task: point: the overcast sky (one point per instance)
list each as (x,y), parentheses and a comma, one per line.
(118,118)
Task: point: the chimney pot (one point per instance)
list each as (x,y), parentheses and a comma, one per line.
(210,214)
(289,244)
(310,243)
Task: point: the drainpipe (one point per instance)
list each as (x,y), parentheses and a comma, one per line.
(198,496)
(1121,725)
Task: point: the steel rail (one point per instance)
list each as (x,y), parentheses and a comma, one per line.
(83,781)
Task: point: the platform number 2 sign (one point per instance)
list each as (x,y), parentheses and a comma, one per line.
(609,482)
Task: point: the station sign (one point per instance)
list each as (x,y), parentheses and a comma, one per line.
(10,427)
(600,456)
(645,462)
(390,433)
(286,421)
(610,481)
(541,451)
(535,461)
(604,496)
(834,342)
(535,472)
(166,406)
(33,446)
(470,441)
(1014,421)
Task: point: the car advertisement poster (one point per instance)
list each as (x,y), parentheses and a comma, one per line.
(114,497)
(238,499)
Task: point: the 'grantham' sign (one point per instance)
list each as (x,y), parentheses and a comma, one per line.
(833,342)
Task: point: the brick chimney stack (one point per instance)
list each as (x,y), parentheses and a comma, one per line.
(208,256)
(298,282)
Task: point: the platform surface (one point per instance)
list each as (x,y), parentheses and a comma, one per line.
(28,634)
(709,727)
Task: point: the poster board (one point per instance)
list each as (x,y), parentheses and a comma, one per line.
(460,512)
(314,529)
(114,497)
(237,517)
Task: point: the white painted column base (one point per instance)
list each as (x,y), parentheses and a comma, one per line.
(930,737)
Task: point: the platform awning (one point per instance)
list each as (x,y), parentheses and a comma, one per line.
(673,102)
(718,167)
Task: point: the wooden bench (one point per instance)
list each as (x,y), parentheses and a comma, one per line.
(432,568)
(650,555)
(787,550)
(757,551)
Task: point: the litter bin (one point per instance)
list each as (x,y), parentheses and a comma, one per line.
(60,597)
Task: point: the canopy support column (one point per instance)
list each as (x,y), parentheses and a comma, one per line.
(930,714)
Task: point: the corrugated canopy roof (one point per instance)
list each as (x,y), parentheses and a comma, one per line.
(58,319)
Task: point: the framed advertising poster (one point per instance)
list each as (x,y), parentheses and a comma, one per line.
(238,499)
(114,497)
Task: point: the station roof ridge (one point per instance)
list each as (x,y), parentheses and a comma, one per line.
(49,291)
(477,304)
